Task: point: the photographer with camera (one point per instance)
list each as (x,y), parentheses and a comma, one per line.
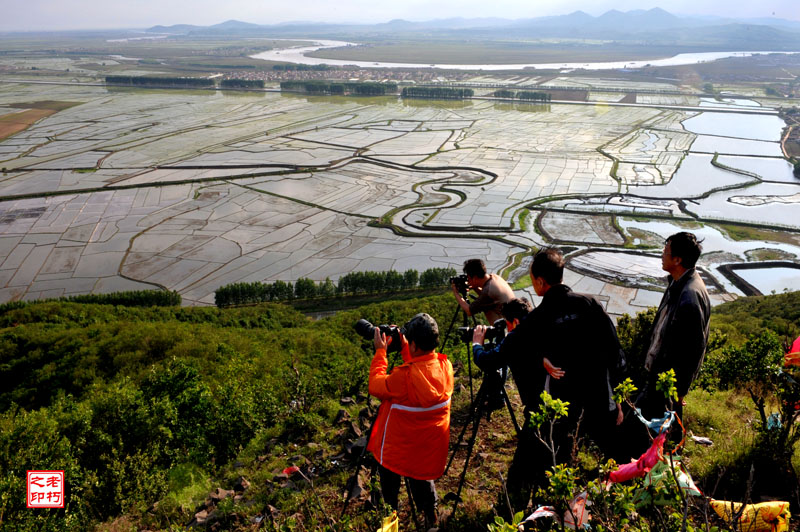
(513,312)
(492,290)
(575,333)
(411,434)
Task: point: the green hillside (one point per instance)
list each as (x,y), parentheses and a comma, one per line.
(150,410)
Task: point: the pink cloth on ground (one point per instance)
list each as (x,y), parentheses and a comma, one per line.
(640,467)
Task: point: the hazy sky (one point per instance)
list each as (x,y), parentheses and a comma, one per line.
(25,15)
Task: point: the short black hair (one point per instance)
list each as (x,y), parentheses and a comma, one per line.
(548,264)
(423,330)
(516,309)
(685,246)
(474,268)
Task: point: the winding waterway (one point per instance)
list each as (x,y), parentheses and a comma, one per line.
(298,55)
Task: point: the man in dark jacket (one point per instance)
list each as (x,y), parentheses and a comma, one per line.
(680,328)
(575,333)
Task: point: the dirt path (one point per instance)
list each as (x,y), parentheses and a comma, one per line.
(14,123)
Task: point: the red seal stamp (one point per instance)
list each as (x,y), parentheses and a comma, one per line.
(45,489)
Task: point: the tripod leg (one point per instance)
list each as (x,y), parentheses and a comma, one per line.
(469,369)
(452,322)
(473,409)
(475,425)
(517,428)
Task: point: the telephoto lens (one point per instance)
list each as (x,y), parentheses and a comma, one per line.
(367,330)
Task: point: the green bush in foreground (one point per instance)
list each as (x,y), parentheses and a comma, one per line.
(147,404)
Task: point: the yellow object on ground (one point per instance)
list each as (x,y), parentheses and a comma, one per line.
(770,516)
(390,524)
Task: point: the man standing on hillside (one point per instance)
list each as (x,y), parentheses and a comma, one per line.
(492,291)
(680,328)
(584,361)
(411,434)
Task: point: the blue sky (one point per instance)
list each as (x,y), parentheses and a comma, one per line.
(18,15)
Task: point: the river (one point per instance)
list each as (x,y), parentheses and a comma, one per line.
(297,55)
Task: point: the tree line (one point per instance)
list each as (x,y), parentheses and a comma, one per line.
(543,97)
(288,67)
(351,283)
(158,81)
(131,298)
(336,88)
(440,93)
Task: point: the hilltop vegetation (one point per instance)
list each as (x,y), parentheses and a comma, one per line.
(163,404)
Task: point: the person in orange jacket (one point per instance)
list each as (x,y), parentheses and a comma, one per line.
(411,435)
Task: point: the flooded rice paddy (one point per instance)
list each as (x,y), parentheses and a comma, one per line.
(192,190)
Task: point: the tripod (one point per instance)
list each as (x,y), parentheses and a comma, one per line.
(465,321)
(482,406)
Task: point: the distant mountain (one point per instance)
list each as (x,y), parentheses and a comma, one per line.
(449,23)
(652,26)
(234,25)
(174,29)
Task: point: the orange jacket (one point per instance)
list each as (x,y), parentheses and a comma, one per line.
(411,434)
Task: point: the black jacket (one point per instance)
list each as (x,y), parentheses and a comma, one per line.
(577,335)
(681,345)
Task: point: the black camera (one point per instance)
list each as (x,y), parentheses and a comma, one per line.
(495,333)
(461,282)
(367,330)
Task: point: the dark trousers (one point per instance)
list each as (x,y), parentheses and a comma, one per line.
(422,491)
(653,405)
(532,459)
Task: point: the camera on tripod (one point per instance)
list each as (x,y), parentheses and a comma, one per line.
(367,330)
(494,333)
(461,282)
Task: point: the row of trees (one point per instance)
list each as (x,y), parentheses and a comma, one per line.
(440,93)
(351,283)
(158,81)
(523,95)
(131,298)
(288,67)
(326,87)
(242,83)
(534,96)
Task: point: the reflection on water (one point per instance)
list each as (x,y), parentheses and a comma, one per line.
(359,100)
(728,102)
(768,168)
(764,203)
(713,239)
(695,177)
(112,89)
(744,126)
(441,104)
(769,280)
(522,107)
(718,249)
(712,144)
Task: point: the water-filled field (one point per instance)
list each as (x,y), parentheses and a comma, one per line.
(196,189)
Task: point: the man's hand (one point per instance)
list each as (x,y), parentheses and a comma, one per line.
(380,341)
(681,401)
(554,372)
(479,334)
(455,290)
(620,417)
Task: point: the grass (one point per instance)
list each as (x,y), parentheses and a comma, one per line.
(744,232)
(726,418)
